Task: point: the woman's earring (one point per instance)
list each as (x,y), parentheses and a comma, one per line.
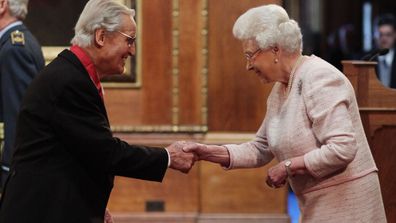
(276,60)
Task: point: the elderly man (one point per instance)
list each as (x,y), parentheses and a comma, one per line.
(20,60)
(66,157)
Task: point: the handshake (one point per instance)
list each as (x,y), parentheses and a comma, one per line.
(184,154)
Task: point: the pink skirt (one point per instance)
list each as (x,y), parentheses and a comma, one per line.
(358,200)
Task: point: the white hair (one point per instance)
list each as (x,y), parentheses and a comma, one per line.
(269,26)
(18,8)
(97,14)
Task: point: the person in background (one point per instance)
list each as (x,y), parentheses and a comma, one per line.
(386,36)
(342,45)
(312,126)
(65,155)
(21,59)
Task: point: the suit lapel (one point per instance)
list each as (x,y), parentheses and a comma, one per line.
(68,55)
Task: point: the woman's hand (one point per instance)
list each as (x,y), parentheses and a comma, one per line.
(277,175)
(212,153)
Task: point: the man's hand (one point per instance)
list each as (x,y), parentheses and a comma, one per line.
(180,160)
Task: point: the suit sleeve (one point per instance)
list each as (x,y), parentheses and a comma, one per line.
(17,69)
(327,97)
(83,128)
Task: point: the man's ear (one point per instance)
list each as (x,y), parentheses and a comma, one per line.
(100,35)
(3,6)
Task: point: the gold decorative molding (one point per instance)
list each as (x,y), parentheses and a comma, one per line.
(159,128)
(204,68)
(228,137)
(175,62)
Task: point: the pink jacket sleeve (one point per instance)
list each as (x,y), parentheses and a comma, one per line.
(327,95)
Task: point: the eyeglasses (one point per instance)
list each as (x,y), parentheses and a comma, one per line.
(250,57)
(130,39)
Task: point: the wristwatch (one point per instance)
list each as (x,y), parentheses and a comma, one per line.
(288,170)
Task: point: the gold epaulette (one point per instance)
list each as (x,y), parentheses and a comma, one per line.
(17,38)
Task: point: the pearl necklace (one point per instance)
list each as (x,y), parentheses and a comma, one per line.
(291,76)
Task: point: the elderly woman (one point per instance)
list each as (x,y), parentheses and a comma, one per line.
(312,126)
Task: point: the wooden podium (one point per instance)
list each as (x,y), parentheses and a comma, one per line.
(377,105)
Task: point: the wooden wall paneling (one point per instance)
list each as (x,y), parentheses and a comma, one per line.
(385,152)
(244,101)
(237,98)
(191,61)
(178,191)
(377,97)
(239,191)
(151,104)
(156,97)
(213,194)
(124,106)
(174,64)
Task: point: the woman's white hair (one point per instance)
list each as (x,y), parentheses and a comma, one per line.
(18,8)
(97,14)
(269,26)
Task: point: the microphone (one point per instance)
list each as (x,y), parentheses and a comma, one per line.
(375,53)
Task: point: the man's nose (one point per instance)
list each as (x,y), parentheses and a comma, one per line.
(132,50)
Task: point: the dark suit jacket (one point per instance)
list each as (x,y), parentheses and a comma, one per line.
(393,70)
(19,64)
(66,156)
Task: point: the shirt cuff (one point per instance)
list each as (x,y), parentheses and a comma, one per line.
(229,167)
(169,159)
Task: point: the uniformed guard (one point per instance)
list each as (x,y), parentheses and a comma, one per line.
(20,60)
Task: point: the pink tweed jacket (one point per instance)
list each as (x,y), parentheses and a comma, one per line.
(318,119)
